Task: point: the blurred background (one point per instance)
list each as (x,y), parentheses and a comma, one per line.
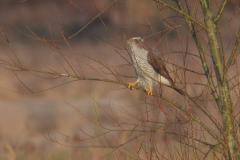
(38,110)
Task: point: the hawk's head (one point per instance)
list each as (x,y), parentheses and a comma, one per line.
(135,43)
(135,40)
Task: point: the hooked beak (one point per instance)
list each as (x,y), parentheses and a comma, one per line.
(128,41)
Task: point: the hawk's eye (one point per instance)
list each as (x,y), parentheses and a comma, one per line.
(132,40)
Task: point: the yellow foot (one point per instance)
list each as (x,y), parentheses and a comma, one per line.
(149,91)
(132,85)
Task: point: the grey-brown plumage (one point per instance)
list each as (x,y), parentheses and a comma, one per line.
(149,68)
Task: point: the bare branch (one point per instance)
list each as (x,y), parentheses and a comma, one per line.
(220,12)
(183,13)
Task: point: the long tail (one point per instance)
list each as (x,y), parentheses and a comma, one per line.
(178,90)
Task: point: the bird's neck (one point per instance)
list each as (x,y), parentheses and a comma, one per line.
(139,51)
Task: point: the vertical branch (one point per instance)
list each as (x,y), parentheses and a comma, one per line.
(224,93)
(201,53)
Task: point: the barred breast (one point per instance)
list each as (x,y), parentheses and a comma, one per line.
(145,72)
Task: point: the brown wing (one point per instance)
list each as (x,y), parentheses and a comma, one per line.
(157,63)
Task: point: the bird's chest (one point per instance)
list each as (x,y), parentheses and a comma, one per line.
(142,67)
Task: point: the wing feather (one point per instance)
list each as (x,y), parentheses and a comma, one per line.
(157,63)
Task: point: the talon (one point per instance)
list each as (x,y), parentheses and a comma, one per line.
(149,91)
(132,85)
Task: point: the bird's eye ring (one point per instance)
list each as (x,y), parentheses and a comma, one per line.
(132,40)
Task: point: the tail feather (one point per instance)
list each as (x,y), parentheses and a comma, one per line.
(179,90)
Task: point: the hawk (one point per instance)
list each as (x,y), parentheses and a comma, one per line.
(149,68)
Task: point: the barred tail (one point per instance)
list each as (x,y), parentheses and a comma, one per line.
(179,91)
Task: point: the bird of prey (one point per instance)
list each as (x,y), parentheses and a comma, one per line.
(149,68)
